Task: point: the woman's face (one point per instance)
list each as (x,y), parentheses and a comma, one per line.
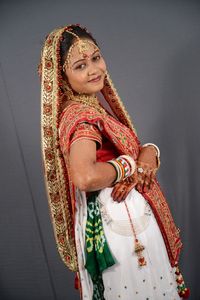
(86,72)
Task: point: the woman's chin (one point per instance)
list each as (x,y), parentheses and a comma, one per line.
(93,91)
(96,88)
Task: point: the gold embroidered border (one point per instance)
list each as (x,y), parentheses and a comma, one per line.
(56,177)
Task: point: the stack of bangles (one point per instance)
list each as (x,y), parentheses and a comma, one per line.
(124,166)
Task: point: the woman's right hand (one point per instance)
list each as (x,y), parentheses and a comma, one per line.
(123,188)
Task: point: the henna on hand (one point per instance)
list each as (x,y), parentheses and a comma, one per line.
(123,188)
(147,162)
(145,177)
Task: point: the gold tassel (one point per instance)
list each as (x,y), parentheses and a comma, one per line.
(138,246)
(138,250)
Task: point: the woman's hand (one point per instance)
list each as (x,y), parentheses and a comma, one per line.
(147,163)
(123,188)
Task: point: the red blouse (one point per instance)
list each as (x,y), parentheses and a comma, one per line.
(105,149)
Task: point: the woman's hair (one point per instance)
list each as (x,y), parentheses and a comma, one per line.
(68,40)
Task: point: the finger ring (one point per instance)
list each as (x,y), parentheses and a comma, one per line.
(140,170)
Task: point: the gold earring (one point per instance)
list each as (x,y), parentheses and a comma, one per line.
(68,90)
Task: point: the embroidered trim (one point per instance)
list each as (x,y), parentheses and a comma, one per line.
(86,131)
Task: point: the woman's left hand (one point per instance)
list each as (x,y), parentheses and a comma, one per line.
(123,188)
(148,164)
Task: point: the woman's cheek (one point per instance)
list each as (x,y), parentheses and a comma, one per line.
(103,65)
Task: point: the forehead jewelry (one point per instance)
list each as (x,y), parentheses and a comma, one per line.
(83,46)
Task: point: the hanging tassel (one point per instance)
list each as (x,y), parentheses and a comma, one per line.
(77,282)
(183,291)
(138,246)
(138,250)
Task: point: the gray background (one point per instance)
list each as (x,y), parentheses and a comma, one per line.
(152,51)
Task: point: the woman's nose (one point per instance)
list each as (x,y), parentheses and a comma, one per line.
(91,70)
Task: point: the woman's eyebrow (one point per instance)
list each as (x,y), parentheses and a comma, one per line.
(78,61)
(84,58)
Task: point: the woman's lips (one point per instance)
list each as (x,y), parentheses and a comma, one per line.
(96,79)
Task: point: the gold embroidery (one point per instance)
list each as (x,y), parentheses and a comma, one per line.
(85,130)
(54,167)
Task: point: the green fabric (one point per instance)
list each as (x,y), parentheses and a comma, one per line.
(98,255)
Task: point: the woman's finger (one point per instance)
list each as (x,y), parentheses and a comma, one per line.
(121,189)
(140,182)
(139,187)
(119,192)
(153,176)
(125,193)
(147,180)
(145,185)
(115,189)
(121,195)
(141,178)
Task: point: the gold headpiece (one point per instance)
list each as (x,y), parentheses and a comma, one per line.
(83,46)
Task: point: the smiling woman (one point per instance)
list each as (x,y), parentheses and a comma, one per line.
(106,204)
(86,73)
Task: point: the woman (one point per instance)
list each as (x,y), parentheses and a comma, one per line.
(111,221)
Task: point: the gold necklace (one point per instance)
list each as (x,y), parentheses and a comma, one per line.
(89,100)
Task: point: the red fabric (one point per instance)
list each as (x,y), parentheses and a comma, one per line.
(107,151)
(87,131)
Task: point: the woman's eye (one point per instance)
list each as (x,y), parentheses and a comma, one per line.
(96,57)
(80,67)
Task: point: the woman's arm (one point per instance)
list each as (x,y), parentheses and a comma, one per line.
(86,173)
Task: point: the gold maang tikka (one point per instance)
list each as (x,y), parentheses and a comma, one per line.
(83,46)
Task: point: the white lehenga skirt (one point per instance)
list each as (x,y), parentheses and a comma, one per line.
(126,280)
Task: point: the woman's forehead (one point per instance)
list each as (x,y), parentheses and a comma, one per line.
(88,52)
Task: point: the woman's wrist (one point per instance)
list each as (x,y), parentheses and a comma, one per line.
(155,147)
(157,151)
(124,166)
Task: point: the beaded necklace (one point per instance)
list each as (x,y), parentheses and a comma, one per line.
(91,101)
(86,99)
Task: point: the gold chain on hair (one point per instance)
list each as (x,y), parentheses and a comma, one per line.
(83,46)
